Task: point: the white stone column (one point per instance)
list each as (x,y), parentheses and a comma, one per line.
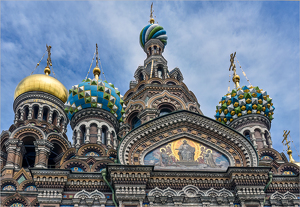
(78,139)
(264,140)
(108,139)
(50,117)
(253,140)
(22,114)
(30,112)
(87,135)
(40,115)
(99,132)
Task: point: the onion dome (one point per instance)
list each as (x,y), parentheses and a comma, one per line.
(44,83)
(153,31)
(95,93)
(243,101)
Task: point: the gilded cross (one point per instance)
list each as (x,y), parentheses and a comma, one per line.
(49,63)
(151,11)
(97,55)
(285,134)
(232,56)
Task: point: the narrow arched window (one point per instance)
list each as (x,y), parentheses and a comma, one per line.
(164,111)
(61,121)
(35,112)
(247,135)
(83,133)
(45,114)
(141,76)
(103,135)
(26,113)
(135,122)
(54,118)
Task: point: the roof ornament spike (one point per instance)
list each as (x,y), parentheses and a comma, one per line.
(47,70)
(235,78)
(289,151)
(97,70)
(151,14)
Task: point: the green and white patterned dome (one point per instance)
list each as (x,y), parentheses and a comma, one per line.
(243,101)
(98,94)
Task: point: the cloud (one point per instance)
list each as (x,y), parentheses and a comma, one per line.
(202,35)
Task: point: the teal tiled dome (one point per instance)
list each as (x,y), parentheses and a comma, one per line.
(98,94)
(242,101)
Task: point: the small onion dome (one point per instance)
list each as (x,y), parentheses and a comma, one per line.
(153,31)
(98,94)
(44,83)
(242,101)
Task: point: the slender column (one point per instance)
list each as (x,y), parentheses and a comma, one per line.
(40,114)
(115,142)
(20,151)
(78,139)
(22,114)
(87,135)
(11,146)
(58,121)
(264,140)
(50,117)
(253,140)
(99,132)
(74,139)
(30,112)
(108,139)
(43,148)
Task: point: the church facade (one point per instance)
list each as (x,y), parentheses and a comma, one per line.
(151,147)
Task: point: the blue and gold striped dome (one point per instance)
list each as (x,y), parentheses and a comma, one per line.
(153,31)
(242,101)
(98,94)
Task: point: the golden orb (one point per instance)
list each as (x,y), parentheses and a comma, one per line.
(151,21)
(44,83)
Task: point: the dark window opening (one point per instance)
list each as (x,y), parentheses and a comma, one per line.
(61,121)
(35,112)
(26,113)
(141,76)
(45,114)
(103,135)
(29,156)
(83,133)
(164,111)
(54,118)
(247,135)
(135,122)
(57,150)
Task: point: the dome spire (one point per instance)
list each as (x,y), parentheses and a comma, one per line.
(151,14)
(289,151)
(235,78)
(47,70)
(97,70)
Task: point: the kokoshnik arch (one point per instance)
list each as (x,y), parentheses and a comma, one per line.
(152,147)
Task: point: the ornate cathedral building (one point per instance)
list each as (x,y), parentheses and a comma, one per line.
(152,147)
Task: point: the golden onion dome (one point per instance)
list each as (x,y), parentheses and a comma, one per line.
(44,83)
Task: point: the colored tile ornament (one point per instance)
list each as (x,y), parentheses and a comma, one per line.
(9,188)
(76,169)
(245,100)
(89,94)
(30,188)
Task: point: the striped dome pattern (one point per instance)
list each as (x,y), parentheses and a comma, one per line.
(153,31)
(90,93)
(242,101)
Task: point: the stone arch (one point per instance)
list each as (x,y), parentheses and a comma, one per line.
(27,130)
(97,166)
(16,198)
(9,181)
(166,81)
(35,110)
(75,163)
(157,192)
(112,152)
(270,152)
(67,155)
(166,97)
(91,147)
(288,166)
(54,137)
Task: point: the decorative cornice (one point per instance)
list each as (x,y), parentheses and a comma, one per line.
(250,119)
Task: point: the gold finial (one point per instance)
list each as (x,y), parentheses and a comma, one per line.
(289,151)
(235,78)
(96,70)
(151,14)
(47,70)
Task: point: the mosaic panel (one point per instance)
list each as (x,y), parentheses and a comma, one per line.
(76,169)
(9,188)
(186,154)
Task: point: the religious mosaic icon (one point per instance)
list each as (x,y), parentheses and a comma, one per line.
(186,154)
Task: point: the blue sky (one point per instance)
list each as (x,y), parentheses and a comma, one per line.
(202,35)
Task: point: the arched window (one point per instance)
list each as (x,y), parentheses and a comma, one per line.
(170,83)
(26,113)
(54,118)
(160,72)
(164,111)
(61,121)
(104,135)
(29,156)
(247,135)
(83,133)
(45,114)
(35,112)
(141,86)
(56,151)
(150,51)
(141,76)
(155,50)
(135,122)
(19,115)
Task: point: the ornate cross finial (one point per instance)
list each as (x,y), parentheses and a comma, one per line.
(285,134)
(151,14)
(235,78)
(289,151)
(49,63)
(97,55)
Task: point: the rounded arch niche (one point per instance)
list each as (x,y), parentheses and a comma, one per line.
(186,154)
